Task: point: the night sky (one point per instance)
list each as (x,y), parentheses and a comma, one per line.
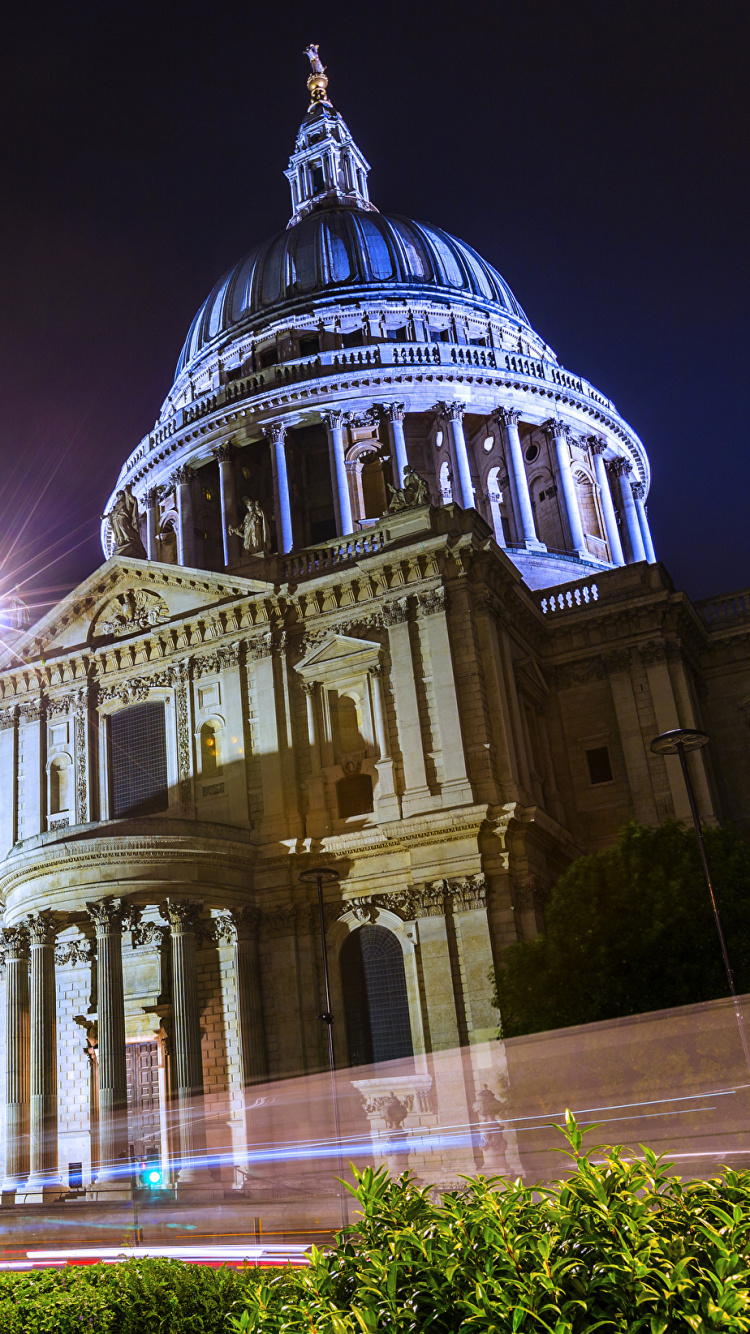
(595,153)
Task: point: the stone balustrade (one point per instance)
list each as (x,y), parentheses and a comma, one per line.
(568,599)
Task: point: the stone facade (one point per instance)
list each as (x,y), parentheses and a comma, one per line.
(434,661)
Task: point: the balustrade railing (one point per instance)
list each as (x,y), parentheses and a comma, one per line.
(568,599)
(319,559)
(726,610)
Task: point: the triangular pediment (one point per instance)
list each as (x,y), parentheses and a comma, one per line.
(337,651)
(122,599)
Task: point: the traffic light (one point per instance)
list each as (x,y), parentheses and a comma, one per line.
(152,1177)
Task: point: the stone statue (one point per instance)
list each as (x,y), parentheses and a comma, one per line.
(311,52)
(256,538)
(124,525)
(415,492)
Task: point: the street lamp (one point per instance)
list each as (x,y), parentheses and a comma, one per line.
(320,876)
(680,741)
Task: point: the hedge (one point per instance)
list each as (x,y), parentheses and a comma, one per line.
(618,1245)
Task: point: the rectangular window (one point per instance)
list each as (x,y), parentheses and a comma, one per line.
(268,357)
(138,760)
(309,346)
(600,768)
(352,339)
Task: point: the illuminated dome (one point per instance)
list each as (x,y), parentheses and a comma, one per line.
(350,348)
(343,254)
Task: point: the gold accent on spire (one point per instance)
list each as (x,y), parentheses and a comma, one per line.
(317,82)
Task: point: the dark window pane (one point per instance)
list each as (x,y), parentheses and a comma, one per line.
(309,346)
(354,795)
(138,760)
(600,769)
(377,1007)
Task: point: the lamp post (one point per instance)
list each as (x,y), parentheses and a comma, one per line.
(680,741)
(320,876)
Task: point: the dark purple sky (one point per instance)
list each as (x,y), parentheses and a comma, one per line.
(594,151)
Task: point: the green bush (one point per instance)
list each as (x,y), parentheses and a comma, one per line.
(618,1246)
(133,1297)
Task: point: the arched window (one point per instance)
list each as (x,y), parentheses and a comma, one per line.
(375,999)
(138,760)
(210,752)
(354,795)
(348,723)
(166,542)
(59,785)
(590,521)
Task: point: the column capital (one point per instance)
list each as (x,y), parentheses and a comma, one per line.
(639,490)
(375,670)
(394,613)
(308,688)
(334,419)
(596,444)
(507,416)
(274,432)
(393,412)
(183,915)
(238,924)
(181,475)
(621,467)
(225,451)
(42,928)
(556,430)
(14,942)
(152,496)
(111,916)
(453,412)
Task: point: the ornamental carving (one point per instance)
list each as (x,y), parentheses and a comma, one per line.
(508,416)
(395,613)
(74,952)
(42,928)
(393,1110)
(30,711)
(412,495)
(621,467)
(183,916)
(14,943)
(555,430)
(183,737)
(8,718)
(60,706)
(111,916)
(639,490)
(241,924)
(148,935)
(453,412)
(127,613)
(579,673)
(432,602)
(81,716)
(596,444)
(430,900)
(262,647)
(205,664)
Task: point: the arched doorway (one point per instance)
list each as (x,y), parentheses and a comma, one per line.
(375,1000)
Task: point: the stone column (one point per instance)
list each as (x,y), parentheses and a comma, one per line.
(456,789)
(193,1175)
(284,536)
(317,821)
(15,945)
(454,416)
(228,501)
(43,1180)
(152,522)
(639,496)
(241,928)
(114,1176)
(182,480)
(559,435)
(622,468)
(334,424)
(394,415)
(519,484)
(417,796)
(610,518)
(389,807)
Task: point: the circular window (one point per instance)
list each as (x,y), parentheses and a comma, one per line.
(488,444)
(438,439)
(532,453)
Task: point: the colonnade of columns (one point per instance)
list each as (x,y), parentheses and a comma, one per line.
(638,544)
(31,1156)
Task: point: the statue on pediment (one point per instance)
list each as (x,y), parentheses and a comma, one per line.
(255,534)
(414,493)
(124,523)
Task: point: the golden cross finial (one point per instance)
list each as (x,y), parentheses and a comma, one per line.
(317,82)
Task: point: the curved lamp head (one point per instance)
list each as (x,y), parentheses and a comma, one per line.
(685,738)
(325,874)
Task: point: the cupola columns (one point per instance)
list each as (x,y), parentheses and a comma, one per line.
(519,483)
(454,417)
(334,424)
(394,416)
(182,481)
(326,167)
(559,435)
(639,495)
(43,1177)
(152,522)
(598,447)
(16,946)
(228,501)
(282,503)
(622,469)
